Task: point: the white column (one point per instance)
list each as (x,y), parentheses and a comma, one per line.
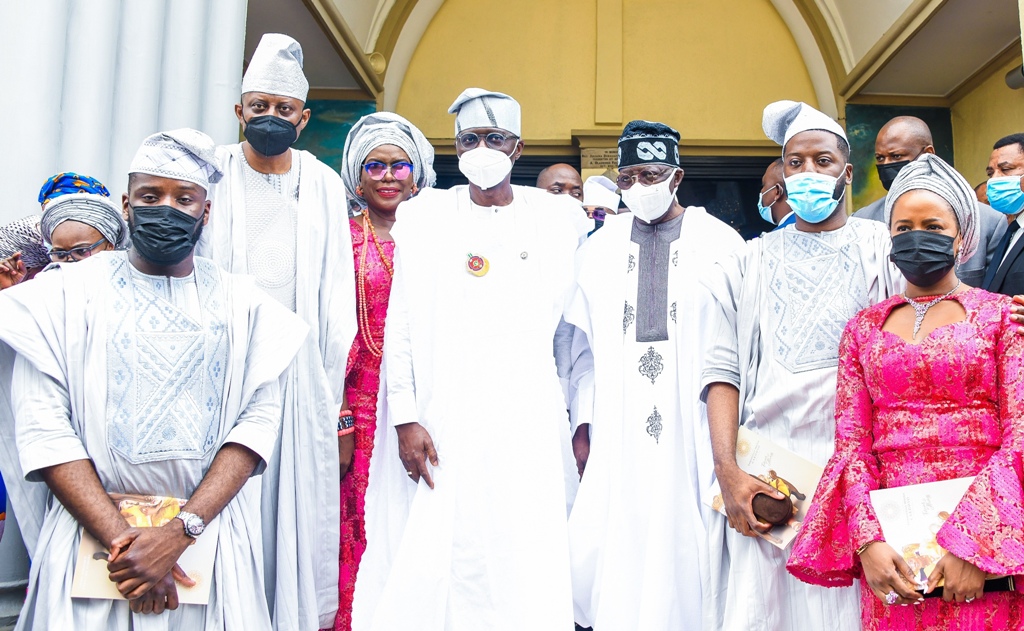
(92,78)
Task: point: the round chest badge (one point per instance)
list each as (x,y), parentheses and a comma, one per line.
(477,265)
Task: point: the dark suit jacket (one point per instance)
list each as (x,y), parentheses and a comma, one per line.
(1009,278)
(992,225)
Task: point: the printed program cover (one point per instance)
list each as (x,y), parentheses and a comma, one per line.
(780,468)
(910,517)
(91,579)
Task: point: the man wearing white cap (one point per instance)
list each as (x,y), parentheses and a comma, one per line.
(600,199)
(280,215)
(783,301)
(636,534)
(155,373)
(465,510)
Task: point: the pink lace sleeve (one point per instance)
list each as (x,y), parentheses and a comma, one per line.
(987,527)
(841,518)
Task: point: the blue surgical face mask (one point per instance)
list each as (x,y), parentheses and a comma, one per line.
(813,196)
(766,211)
(1004,194)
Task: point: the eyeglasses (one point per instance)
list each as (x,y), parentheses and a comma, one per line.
(596,213)
(76,254)
(377,170)
(647,177)
(494,140)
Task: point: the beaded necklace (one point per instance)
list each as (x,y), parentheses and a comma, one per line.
(921,308)
(369,234)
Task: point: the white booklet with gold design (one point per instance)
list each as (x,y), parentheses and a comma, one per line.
(780,468)
(92,579)
(910,517)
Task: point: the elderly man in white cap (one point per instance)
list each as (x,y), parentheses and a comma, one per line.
(783,301)
(147,372)
(460,539)
(280,216)
(637,534)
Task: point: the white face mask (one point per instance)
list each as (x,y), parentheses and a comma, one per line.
(485,167)
(650,202)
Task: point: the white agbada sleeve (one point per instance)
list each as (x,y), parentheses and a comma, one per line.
(42,409)
(399,375)
(581,382)
(259,424)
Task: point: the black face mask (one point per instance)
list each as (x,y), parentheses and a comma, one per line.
(923,256)
(887,172)
(270,135)
(163,235)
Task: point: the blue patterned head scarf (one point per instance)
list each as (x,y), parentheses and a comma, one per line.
(64,183)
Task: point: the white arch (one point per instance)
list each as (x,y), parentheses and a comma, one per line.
(408,40)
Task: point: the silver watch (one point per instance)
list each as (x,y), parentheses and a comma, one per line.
(194,524)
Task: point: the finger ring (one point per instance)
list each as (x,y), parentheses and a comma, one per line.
(891,598)
(968,600)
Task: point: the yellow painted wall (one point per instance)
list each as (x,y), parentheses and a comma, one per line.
(706,68)
(982,117)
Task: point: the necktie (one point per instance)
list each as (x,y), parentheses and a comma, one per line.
(999,255)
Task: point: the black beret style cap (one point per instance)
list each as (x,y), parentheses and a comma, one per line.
(647,142)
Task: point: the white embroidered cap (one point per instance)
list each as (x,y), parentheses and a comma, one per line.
(600,191)
(276,68)
(477,107)
(181,154)
(784,119)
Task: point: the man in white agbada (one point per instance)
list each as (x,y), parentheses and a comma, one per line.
(149,372)
(637,537)
(282,218)
(473,541)
(783,301)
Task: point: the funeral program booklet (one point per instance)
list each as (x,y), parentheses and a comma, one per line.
(781,469)
(910,517)
(92,579)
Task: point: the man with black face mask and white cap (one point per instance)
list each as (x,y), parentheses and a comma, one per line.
(149,372)
(637,533)
(899,142)
(282,218)
(466,505)
(783,302)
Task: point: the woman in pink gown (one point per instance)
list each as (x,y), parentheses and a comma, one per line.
(926,393)
(387,161)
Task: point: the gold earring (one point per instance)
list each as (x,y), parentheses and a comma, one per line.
(359,191)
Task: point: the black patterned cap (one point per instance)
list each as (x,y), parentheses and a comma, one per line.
(646,142)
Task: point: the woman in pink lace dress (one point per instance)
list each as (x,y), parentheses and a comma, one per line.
(931,385)
(387,161)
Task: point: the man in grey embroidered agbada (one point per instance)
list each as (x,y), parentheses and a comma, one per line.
(782,303)
(147,372)
(636,533)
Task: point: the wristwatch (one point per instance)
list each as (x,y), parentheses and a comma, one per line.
(194,524)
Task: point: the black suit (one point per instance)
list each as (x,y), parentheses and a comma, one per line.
(1009,276)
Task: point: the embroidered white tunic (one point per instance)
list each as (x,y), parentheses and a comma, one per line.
(147,377)
(470,358)
(300,487)
(783,302)
(636,533)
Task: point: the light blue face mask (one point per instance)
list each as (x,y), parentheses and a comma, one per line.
(1004,194)
(810,195)
(766,211)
